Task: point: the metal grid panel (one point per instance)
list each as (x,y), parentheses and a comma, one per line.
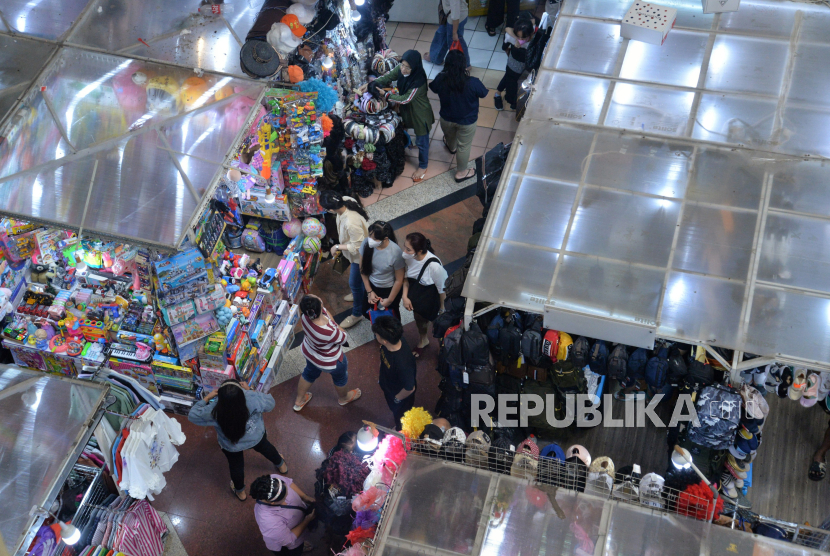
(688,179)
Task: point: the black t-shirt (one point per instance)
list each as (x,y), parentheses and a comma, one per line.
(397,369)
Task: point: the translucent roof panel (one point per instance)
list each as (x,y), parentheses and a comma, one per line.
(48,19)
(15,77)
(41,417)
(676,190)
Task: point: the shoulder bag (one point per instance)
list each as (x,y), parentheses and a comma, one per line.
(426,301)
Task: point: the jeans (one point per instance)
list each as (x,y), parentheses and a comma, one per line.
(423,150)
(358,291)
(459,139)
(442,41)
(236,461)
(399,408)
(340,374)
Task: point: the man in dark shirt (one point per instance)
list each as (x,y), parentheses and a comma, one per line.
(397,367)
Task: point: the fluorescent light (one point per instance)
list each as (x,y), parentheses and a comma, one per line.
(69,533)
(681,458)
(355,16)
(327,62)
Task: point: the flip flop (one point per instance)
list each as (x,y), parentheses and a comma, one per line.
(417,352)
(305,402)
(818,470)
(420,175)
(353,395)
(444,140)
(467,177)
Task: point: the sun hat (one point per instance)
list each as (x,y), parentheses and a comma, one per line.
(259,59)
(602,464)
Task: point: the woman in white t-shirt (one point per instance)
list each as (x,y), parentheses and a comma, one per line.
(423,289)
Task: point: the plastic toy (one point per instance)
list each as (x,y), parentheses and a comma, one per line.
(311,245)
(311,227)
(292,228)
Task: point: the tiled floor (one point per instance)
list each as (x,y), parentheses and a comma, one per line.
(488,63)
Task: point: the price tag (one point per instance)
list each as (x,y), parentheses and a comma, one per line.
(466,378)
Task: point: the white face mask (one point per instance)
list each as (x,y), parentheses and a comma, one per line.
(408,256)
(374,244)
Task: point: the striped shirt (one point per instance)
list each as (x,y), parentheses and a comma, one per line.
(321,345)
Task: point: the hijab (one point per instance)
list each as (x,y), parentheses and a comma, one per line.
(418,77)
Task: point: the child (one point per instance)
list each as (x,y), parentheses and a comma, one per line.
(520,36)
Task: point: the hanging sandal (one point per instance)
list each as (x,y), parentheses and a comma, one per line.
(353,395)
(467,176)
(419,175)
(240,494)
(444,140)
(305,401)
(818,470)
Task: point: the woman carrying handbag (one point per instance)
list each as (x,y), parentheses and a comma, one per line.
(382,269)
(352,230)
(423,290)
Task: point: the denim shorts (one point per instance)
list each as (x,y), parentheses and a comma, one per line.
(339,375)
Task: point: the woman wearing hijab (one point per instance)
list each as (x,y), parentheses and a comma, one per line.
(411,97)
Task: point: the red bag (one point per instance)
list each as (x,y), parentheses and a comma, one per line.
(456,45)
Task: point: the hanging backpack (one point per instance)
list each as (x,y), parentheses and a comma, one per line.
(677,367)
(493,330)
(443,323)
(454,284)
(449,403)
(618,363)
(542,388)
(657,370)
(637,364)
(509,343)
(567,378)
(451,350)
(478,362)
(580,352)
(550,344)
(532,344)
(699,374)
(598,360)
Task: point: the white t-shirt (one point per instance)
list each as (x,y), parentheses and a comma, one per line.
(435,273)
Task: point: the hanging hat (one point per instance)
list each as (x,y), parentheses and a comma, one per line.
(602,465)
(579,452)
(651,490)
(553,451)
(259,59)
(294,24)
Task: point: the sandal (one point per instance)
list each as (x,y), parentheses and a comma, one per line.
(305,401)
(353,395)
(417,352)
(467,176)
(818,469)
(444,140)
(283,468)
(419,175)
(491,32)
(240,494)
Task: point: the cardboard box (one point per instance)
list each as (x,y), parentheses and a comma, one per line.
(720,6)
(647,22)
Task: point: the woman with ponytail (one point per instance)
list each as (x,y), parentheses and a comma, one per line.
(351,230)
(382,268)
(423,290)
(323,351)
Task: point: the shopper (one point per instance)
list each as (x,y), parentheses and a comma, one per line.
(495,15)
(450,29)
(423,290)
(282,513)
(411,98)
(459,94)
(382,268)
(352,230)
(235,411)
(516,58)
(322,348)
(345,443)
(818,467)
(397,367)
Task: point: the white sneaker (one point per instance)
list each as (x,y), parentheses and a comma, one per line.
(349,297)
(350,321)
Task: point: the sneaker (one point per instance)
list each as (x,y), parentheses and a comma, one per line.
(349,298)
(799,384)
(727,486)
(350,321)
(498,102)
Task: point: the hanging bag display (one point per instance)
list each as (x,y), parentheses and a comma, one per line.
(426,301)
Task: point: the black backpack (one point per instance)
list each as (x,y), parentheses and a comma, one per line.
(677,367)
(454,284)
(478,225)
(700,374)
(618,363)
(657,370)
(510,343)
(455,306)
(476,352)
(488,173)
(532,346)
(580,352)
(452,351)
(598,359)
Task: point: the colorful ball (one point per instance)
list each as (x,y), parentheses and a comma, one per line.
(322,233)
(292,228)
(311,227)
(311,244)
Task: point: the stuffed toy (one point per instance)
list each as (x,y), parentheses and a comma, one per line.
(305,14)
(282,38)
(295,74)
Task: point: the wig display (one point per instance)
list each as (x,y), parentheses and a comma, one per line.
(344,471)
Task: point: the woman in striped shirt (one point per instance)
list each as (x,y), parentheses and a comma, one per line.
(322,348)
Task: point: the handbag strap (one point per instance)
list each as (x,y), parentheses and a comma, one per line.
(424,268)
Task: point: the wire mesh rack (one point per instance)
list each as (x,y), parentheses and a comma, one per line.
(573,476)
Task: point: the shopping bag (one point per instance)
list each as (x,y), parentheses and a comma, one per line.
(456,45)
(375,313)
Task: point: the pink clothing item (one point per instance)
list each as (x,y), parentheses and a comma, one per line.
(275,522)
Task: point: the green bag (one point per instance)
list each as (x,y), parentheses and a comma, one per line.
(567,378)
(541,389)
